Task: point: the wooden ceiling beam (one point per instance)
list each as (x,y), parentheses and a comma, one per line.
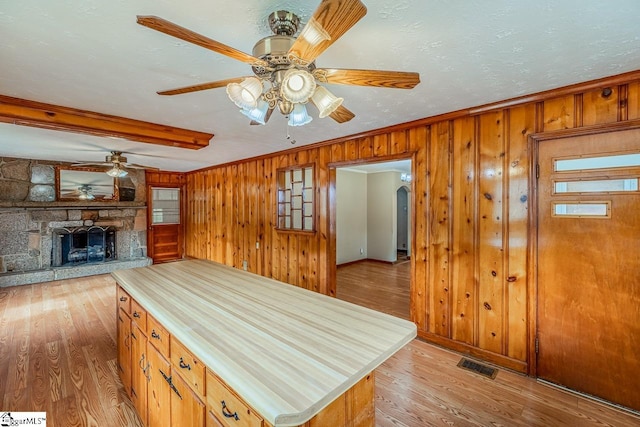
(37,114)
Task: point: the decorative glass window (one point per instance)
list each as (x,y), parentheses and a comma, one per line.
(296,209)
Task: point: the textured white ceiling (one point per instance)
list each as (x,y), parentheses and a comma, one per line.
(91,54)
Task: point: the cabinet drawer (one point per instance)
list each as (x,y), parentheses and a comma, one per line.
(187,366)
(139,315)
(158,336)
(124,300)
(229,409)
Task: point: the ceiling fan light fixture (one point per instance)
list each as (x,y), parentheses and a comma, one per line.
(325,101)
(85,193)
(259,113)
(116,171)
(246,93)
(314,33)
(297,85)
(299,116)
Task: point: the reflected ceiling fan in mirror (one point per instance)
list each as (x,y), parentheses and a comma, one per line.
(286,76)
(118,164)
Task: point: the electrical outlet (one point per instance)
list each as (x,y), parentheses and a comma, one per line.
(361,251)
(257,245)
(245,265)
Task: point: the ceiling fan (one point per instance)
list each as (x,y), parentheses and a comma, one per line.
(117,162)
(284,66)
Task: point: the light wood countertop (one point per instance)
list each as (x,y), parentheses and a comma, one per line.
(286,351)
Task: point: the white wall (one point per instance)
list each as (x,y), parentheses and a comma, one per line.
(351,212)
(381,218)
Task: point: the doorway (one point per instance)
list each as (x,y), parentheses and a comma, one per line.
(372,217)
(165,229)
(403,224)
(588,264)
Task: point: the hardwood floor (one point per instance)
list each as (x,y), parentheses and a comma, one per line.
(58,354)
(377,285)
(422,385)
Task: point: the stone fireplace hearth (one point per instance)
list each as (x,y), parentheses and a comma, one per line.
(27,251)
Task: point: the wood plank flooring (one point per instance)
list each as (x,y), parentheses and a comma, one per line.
(377,285)
(58,354)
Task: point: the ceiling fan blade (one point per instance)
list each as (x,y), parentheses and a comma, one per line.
(82,165)
(136,166)
(164,26)
(389,79)
(342,114)
(202,86)
(329,22)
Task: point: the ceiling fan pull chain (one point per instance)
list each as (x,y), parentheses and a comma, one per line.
(292,141)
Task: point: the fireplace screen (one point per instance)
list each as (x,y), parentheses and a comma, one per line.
(83,245)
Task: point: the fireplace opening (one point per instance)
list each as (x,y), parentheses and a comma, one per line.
(83,245)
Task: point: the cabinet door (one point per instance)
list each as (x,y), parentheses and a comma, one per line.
(186,408)
(159,390)
(139,368)
(212,421)
(124,350)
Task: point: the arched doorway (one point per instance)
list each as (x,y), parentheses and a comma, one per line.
(402,223)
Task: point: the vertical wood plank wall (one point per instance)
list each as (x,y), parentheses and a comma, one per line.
(471,195)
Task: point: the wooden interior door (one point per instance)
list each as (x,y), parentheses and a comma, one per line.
(589,264)
(165,232)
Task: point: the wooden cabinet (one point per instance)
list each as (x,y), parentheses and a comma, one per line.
(139,368)
(124,300)
(139,315)
(159,390)
(188,366)
(124,349)
(228,408)
(158,336)
(186,407)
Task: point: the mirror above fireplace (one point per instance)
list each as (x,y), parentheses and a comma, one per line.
(85,184)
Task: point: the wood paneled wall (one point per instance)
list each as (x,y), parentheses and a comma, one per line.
(470,267)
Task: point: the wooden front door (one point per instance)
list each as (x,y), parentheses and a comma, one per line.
(165,231)
(589,264)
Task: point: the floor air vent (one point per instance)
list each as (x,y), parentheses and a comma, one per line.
(478,368)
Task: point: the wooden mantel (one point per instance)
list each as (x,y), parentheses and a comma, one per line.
(37,114)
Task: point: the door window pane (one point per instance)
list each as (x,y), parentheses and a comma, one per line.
(165,205)
(581,209)
(597,186)
(602,162)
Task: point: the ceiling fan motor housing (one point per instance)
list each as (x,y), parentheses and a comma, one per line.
(116,157)
(284,22)
(274,49)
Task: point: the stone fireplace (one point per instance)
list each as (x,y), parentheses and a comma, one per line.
(43,239)
(40,245)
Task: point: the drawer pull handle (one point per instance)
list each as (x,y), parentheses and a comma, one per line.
(154,334)
(141,362)
(184,365)
(123,299)
(227,413)
(170,382)
(136,314)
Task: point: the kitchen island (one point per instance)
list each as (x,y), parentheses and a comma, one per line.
(248,350)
